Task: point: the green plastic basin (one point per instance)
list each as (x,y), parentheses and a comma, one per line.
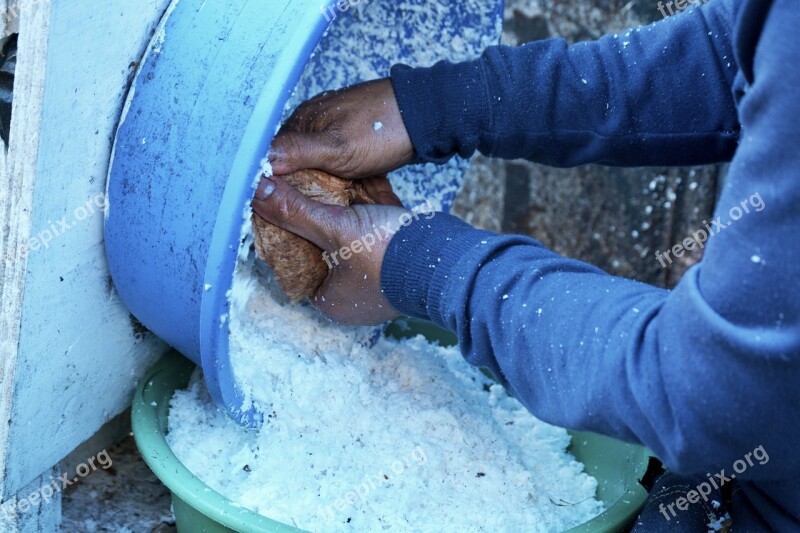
(616,465)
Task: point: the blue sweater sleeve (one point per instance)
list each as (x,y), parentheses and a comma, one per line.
(660,94)
(703,374)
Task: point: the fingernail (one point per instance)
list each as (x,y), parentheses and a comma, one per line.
(265,188)
(275,153)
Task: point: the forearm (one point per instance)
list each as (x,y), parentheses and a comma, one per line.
(660,94)
(542,324)
(586,350)
(702,375)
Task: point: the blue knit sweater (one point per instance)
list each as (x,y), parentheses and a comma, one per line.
(704,374)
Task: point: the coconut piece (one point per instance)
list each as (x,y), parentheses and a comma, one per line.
(298,264)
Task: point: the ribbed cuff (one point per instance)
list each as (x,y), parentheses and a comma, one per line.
(420,260)
(445,108)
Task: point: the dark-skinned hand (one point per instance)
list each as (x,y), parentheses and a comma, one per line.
(356,132)
(353,238)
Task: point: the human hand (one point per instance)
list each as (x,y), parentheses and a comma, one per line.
(355,132)
(353,239)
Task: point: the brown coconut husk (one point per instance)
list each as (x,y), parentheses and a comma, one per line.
(298,264)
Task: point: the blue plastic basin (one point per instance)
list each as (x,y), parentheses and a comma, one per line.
(206,102)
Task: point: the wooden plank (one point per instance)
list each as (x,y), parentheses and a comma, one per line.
(16,198)
(78,353)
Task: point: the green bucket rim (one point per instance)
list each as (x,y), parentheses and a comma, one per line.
(149,423)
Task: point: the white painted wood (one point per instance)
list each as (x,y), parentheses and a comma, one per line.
(71,354)
(16,197)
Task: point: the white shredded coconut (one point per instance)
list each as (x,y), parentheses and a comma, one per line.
(400,435)
(361,432)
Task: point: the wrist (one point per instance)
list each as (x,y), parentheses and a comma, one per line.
(444,108)
(419,259)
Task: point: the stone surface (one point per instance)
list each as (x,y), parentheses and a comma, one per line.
(126,498)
